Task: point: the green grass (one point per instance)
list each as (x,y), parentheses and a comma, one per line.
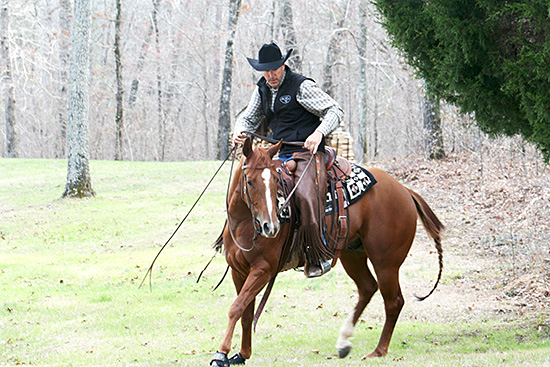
(70,270)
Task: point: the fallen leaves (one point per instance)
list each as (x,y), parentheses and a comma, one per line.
(496,206)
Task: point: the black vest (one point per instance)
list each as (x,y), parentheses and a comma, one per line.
(289,120)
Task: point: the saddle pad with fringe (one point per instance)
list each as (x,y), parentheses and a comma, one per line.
(355,186)
(359,182)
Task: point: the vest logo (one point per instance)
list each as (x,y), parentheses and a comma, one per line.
(285,99)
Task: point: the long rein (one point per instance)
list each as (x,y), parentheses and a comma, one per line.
(150,270)
(233,154)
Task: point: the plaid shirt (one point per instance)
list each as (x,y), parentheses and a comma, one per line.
(309,96)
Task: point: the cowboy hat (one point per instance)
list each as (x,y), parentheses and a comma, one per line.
(269,58)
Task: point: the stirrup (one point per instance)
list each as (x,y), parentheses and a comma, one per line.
(315,271)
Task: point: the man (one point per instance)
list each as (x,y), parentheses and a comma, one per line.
(296,109)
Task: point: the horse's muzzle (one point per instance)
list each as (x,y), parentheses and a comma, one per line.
(270,229)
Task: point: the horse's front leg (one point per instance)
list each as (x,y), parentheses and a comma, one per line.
(255,281)
(246,322)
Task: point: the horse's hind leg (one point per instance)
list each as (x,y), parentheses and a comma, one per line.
(355,264)
(388,280)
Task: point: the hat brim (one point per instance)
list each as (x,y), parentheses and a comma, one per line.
(257,65)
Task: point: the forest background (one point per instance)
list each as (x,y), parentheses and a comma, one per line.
(172,57)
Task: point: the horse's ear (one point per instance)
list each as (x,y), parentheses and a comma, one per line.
(247,147)
(274,149)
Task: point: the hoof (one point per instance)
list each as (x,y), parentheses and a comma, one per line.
(343,352)
(237,359)
(219,360)
(374,354)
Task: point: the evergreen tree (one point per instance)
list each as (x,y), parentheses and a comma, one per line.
(490,58)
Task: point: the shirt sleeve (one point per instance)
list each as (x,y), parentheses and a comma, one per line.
(313,99)
(252,116)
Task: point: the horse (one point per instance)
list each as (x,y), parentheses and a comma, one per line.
(382,226)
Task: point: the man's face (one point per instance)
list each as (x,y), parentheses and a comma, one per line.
(274,77)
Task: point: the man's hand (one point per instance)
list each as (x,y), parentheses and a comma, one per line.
(238,138)
(312,142)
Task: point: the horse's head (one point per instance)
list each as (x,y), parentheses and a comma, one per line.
(259,185)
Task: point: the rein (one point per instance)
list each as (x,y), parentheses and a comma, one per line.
(227,208)
(150,270)
(287,201)
(293,143)
(285,204)
(231,153)
(273,141)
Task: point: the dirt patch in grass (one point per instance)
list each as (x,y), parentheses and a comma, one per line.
(497,244)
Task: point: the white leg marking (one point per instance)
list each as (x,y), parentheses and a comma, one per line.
(266,175)
(346,332)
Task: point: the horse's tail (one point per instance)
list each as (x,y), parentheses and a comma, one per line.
(434,227)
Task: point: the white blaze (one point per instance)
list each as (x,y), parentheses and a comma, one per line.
(266,175)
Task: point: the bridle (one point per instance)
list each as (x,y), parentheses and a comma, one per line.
(246,195)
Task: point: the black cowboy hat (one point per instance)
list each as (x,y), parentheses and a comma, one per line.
(269,58)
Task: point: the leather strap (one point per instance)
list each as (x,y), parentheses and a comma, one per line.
(342,229)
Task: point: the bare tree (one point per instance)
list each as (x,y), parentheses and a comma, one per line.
(361,144)
(140,63)
(6,76)
(64,59)
(160,115)
(119,117)
(334,51)
(225,98)
(432,124)
(79,182)
(289,34)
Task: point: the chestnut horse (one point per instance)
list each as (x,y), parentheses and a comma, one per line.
(382,226)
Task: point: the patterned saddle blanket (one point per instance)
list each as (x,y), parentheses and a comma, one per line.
(355,186)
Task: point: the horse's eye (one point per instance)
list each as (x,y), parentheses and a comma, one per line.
(249,183)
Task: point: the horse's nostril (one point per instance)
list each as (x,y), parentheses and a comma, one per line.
(267,228)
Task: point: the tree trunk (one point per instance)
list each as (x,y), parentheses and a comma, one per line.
(432,124)
(160,116)
(79,182)
(119,118)
(225,98)
(289,35)
(9,98)
(333,53)
(362,145)
(64,60)
(139,66)
(330,61)
(171,93)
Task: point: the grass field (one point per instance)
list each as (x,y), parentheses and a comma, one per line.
(70,270)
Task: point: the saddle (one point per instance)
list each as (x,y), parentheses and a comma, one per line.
(338,169)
